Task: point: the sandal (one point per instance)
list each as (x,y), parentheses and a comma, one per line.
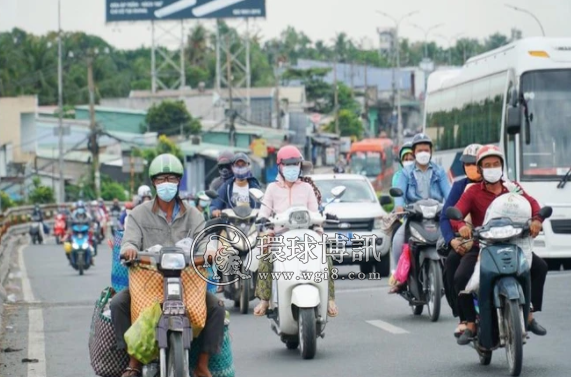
(395,289)
(132,372)
(460,329)
(466,337)
(332,309)
(260,310)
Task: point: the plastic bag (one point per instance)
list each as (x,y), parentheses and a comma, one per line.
(403,266)
(140,338)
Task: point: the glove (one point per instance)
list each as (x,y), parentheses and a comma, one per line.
(512,187)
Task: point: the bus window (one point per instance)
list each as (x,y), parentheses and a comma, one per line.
(510,144)
(366,163)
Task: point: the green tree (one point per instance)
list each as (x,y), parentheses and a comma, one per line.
(5,202)
(111,190)
(172,118)
(349,124)
(41,194)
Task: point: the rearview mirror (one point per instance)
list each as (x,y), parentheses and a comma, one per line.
(545,212)
(513,120)
(454,213)
(338,191)
(257,194)
(385,200)
(396,192)
(211,194)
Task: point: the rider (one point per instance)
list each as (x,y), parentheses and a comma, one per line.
(144,194)
(423,180)
(288,191)
(224,169)
(79,217)
(115,207)
(202,204)
(235,191)
(40,215)
(458,249)
(406,159)
(165,221)
(475,202)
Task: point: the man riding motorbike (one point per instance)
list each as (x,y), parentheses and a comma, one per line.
(406,159)
(202,204)
(37,212)
(423,180)
(475,202)
(144,194)
(115,207)
(288,191)
(224,169)
(79,217)
(458,249)
(235,191)
(165,221)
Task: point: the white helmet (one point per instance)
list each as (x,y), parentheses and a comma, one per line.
(144,191)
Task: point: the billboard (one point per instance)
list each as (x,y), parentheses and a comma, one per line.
(148,10)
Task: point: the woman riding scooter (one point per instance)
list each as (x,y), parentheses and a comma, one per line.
(288,191)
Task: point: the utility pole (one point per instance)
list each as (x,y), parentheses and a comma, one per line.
(336,95)
(93,128)
(231,113)
(277,94)
(61,198)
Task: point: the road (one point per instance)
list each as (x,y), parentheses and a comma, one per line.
(51,320)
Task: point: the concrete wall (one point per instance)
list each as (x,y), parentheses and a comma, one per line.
(15,113)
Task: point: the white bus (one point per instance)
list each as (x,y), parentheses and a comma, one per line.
(518,97)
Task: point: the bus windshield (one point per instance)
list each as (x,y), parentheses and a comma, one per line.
(366,163)
(549,108)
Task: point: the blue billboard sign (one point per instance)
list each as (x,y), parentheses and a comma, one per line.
(148,10)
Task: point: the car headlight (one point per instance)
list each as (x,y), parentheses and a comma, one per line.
(85,246)
(75,246)
(416,234)
(501,233)
(299,218)
(378,223)
(173,261)
(428,212)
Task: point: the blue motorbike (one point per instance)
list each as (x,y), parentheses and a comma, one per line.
(80,256)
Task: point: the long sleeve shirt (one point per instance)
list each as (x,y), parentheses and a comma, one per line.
(455,193)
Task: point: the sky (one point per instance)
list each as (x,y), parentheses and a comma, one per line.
(319,19)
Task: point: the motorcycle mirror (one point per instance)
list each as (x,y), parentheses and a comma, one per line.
(211,194)
(396,192)
(257,194)
(454,213)
(545,212)
(338,191)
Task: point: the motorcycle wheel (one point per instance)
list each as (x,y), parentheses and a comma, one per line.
(485,357)
(307,333)
(176,360)
(80,262)
(514,344)
(417,309)
(244,296)
(434,290)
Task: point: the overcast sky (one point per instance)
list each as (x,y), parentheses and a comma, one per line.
(319,19)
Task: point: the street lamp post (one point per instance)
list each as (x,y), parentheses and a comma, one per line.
(426,32)
(449,40)
(529,13)
(396,39)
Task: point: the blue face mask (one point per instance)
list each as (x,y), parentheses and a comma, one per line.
(291,173)
(241,173)
(203,203)
(167,191)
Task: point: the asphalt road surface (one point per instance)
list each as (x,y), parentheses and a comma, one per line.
(375,333)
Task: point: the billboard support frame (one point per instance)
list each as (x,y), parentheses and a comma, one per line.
(167,57)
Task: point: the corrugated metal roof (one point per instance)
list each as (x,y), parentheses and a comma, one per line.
(75,156)
(207,149)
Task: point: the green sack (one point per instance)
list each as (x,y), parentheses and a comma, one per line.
(141,339)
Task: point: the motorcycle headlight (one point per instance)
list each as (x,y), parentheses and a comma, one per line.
(173,261)
(416,234)
(299,218)
(428,212)
(501,233)
(85,246)
(75,246)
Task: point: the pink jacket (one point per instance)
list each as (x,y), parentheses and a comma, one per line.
(280,197)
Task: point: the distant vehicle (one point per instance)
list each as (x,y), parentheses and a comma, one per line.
(373,158)
(517,97)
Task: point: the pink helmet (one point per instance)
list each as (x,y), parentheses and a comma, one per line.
(289,155)
(488,151)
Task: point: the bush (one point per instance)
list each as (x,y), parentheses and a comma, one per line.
(5,201)
(41,194)
(112,190)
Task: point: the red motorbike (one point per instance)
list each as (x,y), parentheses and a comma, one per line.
(59,228)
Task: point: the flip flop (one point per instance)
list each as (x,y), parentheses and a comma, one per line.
(258,312)
(332,311)
(460,329)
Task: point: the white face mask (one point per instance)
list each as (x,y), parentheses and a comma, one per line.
(406,164)
(493,175)
(423,158)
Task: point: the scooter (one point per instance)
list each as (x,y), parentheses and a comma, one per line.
(504,295)
(80,256)
(425,284)
(59,228)
(36,230)
(298,305)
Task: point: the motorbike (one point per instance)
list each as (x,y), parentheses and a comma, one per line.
(503,297)
(36,230)
(424,286)
(298,306)
(80,256)
(59,228)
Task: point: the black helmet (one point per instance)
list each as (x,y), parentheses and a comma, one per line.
(421,139)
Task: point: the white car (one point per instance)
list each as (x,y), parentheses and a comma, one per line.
(360,214)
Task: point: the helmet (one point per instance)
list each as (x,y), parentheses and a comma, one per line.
(487,151)
(144,191)
(405,149)
(165,164)
(241,157)
(225,158)
(80,204)
(94,203)
(129,205)
(289,155)
(421,139)
(470,154)
(201,195)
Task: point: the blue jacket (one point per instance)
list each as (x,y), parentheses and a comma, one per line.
(396,177)
(439,185)
(225,194)
(458,189)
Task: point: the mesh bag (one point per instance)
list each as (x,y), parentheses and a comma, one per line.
(221,364)
(119,273)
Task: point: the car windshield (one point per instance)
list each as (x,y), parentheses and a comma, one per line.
(366,163)
(549,108)
(357,191)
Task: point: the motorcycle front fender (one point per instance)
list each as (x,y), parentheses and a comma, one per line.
(305,296)
(508,288)
(429,253)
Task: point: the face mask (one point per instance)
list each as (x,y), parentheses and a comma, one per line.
(241,173)
(423,158)
(291,173)
(203,203)
(472,173)
(406,164)
(225,173)
(167,191)
(493,175)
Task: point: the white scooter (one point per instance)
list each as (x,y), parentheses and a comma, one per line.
(298,306)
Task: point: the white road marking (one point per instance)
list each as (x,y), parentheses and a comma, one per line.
(387,327)
(36,337)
